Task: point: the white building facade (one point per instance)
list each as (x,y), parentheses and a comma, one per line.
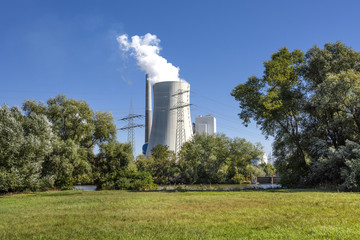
(205,124)
(171,123)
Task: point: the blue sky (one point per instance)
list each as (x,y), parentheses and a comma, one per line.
(50,47)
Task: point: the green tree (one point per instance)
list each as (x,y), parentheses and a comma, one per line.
(161,164)
(25,142)
(275,102)
(105,129)
(217,159)
(203,159)
(79,129)
(310,104)
(333,80)
(242,155)
(115,170)
(268,169)
(74,119)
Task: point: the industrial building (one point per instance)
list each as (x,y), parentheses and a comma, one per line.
(171,120)
(205,124)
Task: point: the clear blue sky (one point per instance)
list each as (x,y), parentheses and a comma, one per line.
(49,47)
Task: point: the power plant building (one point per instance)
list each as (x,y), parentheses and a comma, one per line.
(148,109)
(205,124)
(171,122)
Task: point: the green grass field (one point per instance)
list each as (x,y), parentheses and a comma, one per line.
(267,214)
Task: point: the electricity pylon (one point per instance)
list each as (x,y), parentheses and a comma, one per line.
(179,107)
(130,127)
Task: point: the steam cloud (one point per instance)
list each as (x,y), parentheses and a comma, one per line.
(146,51)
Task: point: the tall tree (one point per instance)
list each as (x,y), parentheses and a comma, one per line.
(275,102)
(310,104)
(25,142)
(332,75)
(79,129)
(74,119)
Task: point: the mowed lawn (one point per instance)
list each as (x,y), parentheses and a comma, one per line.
(266,214)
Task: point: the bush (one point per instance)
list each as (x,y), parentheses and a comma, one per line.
(290,180)
(350,174)
(237,179)
(25,142)
(338,168)
(161,164)
(46,183)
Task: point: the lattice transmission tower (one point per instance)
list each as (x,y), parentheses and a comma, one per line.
(179,107)
(130,127)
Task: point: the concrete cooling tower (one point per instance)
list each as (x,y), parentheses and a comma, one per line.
(171,123)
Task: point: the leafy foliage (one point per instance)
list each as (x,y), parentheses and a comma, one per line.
(52,145)
(309,103)
(206,159)
(161,164)
(115,172)
(217,159)
(78,130)
(25,142)
(275,103)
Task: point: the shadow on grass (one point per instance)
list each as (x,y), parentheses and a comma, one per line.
(59,193)
(278,190)
(63,193)
(55,193)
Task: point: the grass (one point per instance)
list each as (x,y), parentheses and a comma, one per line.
(267,214)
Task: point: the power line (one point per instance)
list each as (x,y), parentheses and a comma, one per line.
(215,100)
(221,116)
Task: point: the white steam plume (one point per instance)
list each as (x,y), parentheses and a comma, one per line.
(146,51)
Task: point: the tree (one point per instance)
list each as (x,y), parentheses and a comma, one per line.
(217,159)
(333,79)
(25,142)
(203,159)
(105,129)
(161,164)
(350,173)
(310,104)
(241,155)
(78,130)
(74,119)
(275,103)
(268,169)
(115,170)
(52,146)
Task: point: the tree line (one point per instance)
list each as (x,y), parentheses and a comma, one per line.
(206,159)
(53,145)
(310,103)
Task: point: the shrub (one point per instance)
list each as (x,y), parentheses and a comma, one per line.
(237,179)
(350,174)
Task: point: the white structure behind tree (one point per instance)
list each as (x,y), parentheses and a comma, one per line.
(171,124)
(205,124)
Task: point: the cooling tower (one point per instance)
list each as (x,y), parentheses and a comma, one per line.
(171,124)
